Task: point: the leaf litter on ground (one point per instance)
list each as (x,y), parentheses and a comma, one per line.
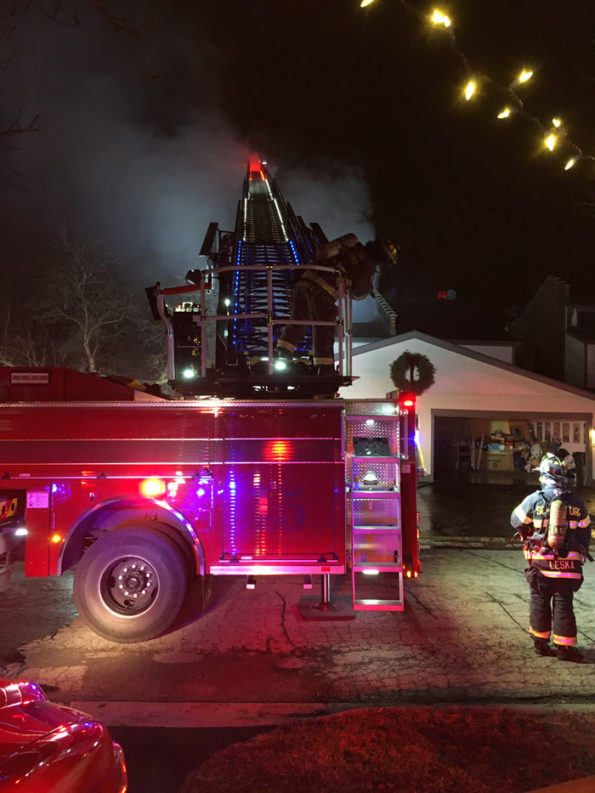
(477,749)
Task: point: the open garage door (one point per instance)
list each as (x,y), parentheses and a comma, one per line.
(501,443)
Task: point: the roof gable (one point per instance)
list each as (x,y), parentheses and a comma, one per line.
(459,370)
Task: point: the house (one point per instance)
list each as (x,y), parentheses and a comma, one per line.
(556,331)
(482,410)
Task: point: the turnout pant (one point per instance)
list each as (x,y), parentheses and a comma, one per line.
(311,302)
(551,607)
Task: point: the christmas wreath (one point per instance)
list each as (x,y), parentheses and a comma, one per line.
(402,372)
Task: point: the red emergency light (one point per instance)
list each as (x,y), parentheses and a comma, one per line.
(255,170)
(278,451)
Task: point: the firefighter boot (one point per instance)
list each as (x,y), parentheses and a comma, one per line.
(566,653)
(542,647)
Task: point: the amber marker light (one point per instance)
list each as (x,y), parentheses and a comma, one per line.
(152,488)
(365,3)
(277,451)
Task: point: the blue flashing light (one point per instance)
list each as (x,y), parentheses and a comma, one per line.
(233,510)
(236,278)
(200,492)
(294,252)
(61,491)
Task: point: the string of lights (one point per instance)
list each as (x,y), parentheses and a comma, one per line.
(553,135)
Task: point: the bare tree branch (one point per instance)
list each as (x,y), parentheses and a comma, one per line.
(17,127)
(123,24)
(62,12)
(84,298)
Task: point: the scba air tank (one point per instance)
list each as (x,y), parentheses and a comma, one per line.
(557,525)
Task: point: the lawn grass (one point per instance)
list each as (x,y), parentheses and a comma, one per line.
(408,750)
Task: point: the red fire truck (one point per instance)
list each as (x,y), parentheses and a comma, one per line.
(140,494)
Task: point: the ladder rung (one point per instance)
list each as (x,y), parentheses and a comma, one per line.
(376,528)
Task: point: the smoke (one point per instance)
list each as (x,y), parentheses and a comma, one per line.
(134,153)
(338,198)
(333,195)
(120,159)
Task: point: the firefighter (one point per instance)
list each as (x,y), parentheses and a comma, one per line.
(555,527)
(315,294)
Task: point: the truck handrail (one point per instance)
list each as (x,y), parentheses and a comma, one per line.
(343,323)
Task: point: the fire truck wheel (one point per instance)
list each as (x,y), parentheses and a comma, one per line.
(130,585)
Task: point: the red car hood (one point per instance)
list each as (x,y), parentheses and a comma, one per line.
(49,747)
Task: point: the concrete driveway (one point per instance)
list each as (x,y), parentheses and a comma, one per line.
(461,638)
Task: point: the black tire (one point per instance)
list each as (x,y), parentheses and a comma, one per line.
(130,585)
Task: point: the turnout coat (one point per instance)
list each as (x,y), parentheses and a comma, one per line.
(532,517)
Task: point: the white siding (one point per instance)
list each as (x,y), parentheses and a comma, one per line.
(462,383)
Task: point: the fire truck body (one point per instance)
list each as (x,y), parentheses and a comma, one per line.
(143,496)
(213,468)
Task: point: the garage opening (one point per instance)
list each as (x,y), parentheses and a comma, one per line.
(474,447)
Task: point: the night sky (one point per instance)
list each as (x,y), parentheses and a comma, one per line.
(150,110)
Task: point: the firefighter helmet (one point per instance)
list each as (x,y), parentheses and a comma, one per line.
(384,252)
(552,469)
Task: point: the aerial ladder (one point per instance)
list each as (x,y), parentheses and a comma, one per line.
(223,332)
